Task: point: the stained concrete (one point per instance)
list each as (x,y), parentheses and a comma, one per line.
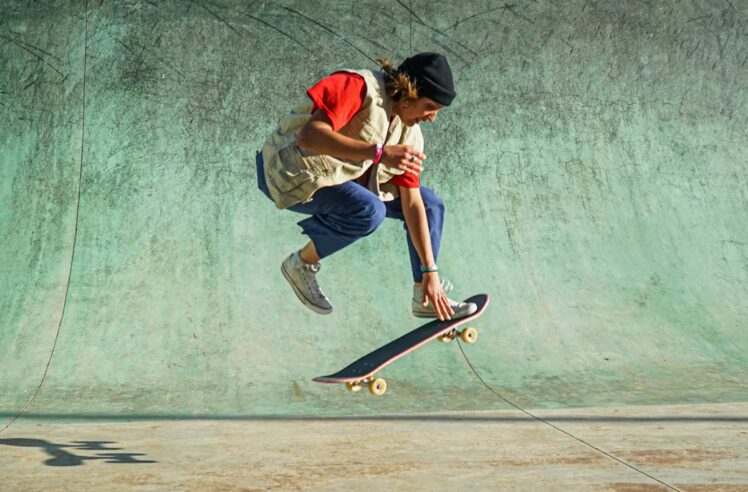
(593,166)
(688,448)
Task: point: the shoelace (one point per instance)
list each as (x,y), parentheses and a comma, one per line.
(311,280)
(448,286)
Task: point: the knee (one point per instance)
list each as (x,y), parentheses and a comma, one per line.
(371,216)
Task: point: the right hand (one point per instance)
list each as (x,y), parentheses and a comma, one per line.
(402,157)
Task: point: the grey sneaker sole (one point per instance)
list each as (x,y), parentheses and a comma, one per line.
(429,314)
(432,315)
(304,300)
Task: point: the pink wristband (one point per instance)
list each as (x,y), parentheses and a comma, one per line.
(378,156)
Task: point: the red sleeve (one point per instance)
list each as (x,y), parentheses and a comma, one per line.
(407,180)
(340,96)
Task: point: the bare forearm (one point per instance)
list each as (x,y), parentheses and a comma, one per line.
(321,139)
(418,228)
(317,136)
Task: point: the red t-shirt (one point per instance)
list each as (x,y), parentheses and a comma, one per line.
(341,96)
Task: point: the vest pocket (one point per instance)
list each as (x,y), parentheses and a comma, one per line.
(292,173)
(296,159)
(319,165)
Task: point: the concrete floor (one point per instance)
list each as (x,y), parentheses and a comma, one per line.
(684,447)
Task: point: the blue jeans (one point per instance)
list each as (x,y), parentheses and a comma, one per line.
(342,214)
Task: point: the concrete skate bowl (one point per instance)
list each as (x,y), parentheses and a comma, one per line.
(593,166)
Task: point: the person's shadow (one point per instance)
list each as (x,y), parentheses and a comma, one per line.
(60,457)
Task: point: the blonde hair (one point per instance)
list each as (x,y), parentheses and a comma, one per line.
(399,85)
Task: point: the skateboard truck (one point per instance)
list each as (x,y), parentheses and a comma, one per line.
(468,335)
(377,386)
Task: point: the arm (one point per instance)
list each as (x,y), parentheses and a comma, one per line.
(418,227)
(318,136)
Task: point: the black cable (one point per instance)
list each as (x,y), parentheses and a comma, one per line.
(75,234)
(540,419)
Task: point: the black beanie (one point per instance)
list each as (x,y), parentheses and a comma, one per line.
(432,76)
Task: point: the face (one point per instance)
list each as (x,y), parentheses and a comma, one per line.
(414,112)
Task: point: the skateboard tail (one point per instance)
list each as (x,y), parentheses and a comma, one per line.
(328,380)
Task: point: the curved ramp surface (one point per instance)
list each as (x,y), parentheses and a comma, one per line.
(593,165)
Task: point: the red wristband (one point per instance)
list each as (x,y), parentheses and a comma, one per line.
(378,156)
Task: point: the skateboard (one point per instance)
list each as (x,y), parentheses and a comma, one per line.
(362,372)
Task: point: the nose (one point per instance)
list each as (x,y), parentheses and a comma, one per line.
(431,117)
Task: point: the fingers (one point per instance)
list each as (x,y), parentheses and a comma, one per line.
(440,313)
(411,152)
(446,308)
(441,306)
(404,158)
(412,167)
(414,156)
(411,161)
(434,293)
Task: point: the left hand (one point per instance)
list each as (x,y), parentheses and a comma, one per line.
(434,293)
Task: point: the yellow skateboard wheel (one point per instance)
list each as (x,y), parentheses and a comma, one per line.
(469,335)
(378,387)
(352,386)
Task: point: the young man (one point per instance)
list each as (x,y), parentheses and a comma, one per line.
(349,156)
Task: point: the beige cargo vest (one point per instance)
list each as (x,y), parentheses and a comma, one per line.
(293,175)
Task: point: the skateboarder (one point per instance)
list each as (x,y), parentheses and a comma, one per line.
(351,154)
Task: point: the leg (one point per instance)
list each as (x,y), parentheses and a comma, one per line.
(435,210)
(340,215)
(308,254)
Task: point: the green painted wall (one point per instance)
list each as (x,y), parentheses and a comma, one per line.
(594,168)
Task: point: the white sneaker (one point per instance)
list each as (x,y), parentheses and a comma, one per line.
(461,309)
(303,280)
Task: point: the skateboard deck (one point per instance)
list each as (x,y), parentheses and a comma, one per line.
(362,371)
